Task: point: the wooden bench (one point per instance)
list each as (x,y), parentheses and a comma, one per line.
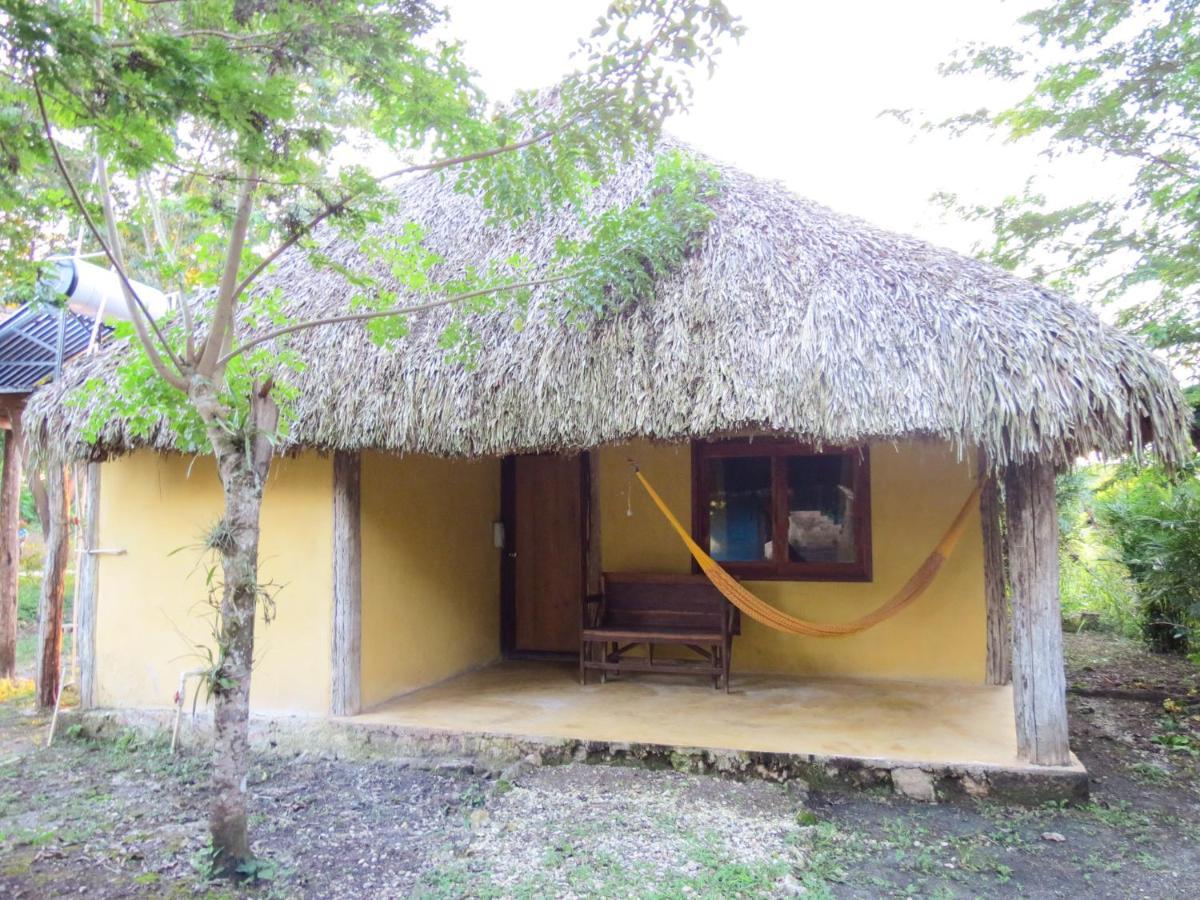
(638,610)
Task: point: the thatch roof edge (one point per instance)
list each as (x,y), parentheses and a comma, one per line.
(789,318)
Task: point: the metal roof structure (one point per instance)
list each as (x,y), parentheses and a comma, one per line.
(29,345)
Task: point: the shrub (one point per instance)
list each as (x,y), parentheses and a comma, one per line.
(1100,586)
(33,555)
(1154,522)
(1092,578)
(29,592)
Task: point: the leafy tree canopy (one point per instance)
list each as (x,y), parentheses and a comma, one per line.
(217,135)
(1120,79)
(230,131)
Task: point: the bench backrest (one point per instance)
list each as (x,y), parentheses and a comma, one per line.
(663,601)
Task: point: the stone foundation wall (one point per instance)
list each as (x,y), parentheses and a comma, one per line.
(505,756)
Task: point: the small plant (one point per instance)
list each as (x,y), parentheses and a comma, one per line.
(15,689)
(474,796)
(126,742)
(1118,814)
(1151,862)
(256,869)
(1175,731)
(33,557)
(1179,743)
(219,538)
(204,861)
(1149,773)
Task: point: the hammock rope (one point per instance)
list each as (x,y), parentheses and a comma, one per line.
(768,615)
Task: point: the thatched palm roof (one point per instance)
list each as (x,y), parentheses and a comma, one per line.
(789,317)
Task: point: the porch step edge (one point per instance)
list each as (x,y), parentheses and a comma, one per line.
(495,753)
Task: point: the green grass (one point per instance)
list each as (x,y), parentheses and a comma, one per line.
(27,649)
(28,591)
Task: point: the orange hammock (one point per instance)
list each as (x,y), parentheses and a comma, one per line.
(763,612)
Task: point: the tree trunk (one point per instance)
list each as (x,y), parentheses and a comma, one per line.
(1039,680)
(87,579)
(346,699)
(10,544)
(243,466)
(50,605)
(231,680)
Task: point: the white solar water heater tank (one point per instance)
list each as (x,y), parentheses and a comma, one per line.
(90,289)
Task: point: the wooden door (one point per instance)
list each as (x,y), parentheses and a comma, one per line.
(547,571)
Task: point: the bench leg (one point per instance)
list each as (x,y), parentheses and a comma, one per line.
(726,659)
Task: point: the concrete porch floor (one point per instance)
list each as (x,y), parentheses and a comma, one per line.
(921,723)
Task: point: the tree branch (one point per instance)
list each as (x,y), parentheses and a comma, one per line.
(172,378)
(231,177)
(385,313)
(150,201)
(203,32)
(339,205)
(484,154)
(220,333)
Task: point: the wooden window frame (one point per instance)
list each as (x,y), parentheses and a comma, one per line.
(778,450)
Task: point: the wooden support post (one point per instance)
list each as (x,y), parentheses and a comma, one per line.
(50,604)
(593,565)
(1039,682)
(999,634)
(347,584)
(10,544)
(87,582)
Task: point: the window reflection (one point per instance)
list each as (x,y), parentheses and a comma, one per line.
(820,508)
(740,509)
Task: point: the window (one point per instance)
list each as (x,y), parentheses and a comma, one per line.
(775,509)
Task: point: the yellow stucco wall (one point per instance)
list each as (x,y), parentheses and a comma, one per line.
(916,490)
(430,575)
(151,611)
(430,605)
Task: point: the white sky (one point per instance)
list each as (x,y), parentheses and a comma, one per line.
(798,99)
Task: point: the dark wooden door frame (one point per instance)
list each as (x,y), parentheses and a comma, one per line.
(508,558)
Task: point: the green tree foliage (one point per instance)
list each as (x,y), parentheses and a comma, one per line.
(245,120)
(1153,519)
(1116,79)
(1092,579)
(1120,81)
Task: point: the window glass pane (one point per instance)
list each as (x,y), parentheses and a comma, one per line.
(820,504)
(739,508)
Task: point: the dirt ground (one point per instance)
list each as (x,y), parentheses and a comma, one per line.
(123,818)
